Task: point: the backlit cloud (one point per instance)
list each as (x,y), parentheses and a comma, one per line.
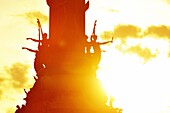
(144,53)
(32,16)
(124,31)
(113,10)
(18,73)
(1,93)
(130,39)
(2,84)
(13,80)
(167,1)
(158,31)
(106,35)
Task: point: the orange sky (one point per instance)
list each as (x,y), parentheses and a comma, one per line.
(138,57)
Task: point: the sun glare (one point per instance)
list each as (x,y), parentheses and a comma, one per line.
(137,86)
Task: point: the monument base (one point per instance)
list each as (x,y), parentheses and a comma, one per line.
(65,92)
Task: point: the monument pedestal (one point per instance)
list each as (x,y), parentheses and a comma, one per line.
(68,83)
(66,93)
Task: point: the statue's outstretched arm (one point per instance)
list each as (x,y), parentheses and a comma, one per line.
(31,50)
(102,43)
(35,40)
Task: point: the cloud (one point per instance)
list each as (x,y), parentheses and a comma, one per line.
(113,10)
(144,53)
(14,79)
(1,93)
(130,39)
(167,1)
(2,84)
(125,31)
(159,31)
(18,73)
(32,16)
(1,79)
(106,35)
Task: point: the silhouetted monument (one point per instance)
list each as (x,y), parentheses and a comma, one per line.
(68,82)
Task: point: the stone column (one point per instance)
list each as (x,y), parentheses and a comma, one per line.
(67,28)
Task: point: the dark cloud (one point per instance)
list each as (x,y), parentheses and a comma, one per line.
(159,31)
(124,31)
(19,74)
(32,16)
